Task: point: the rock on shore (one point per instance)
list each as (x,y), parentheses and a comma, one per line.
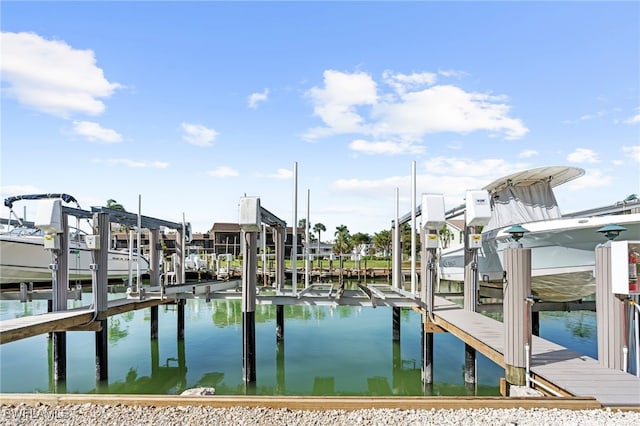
(93,414)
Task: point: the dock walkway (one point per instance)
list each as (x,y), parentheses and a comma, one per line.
(567,372)
(33,325)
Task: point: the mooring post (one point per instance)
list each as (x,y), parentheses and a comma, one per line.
(59,297)
(433,218)
(153,332)
(279,234)
(396,323)
(155,250)
(469,365)
(100,285)
(517,291)
(427,355)
(279,323)
(609,313)
(249,306)
(181,303)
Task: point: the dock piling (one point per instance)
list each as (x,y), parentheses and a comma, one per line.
(181,303)
(517,291)
(249,240)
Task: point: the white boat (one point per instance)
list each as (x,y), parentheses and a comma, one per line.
(562,248)
(23,257)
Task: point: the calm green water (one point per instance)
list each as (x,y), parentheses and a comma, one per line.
(326,351)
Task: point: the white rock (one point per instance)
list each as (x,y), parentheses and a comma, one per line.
(199,392)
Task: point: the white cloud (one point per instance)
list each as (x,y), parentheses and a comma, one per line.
(632,152)
(446,109)
(336,102)
(583,155)
(223,171)
(453,73)
(95,132)
(593,178)
(352,103)
(385,147)
(256,98)
(51,76)
(528,153)
(136,164)
(403,82)
(449,176)
(199,135)
(634,119)
(281,174)
(485,170)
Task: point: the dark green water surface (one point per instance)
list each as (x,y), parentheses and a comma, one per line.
(326,351)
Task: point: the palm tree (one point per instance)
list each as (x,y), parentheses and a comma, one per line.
(318,228)
(114,205)
(382,241)
(343,243)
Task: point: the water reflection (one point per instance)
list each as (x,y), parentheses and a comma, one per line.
(336,350)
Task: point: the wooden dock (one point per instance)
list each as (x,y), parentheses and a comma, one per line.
(558,368)
(69,320)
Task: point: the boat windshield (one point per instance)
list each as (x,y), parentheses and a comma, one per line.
(23,230)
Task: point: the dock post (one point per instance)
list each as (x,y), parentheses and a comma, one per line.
(154,323)
(180,253)
(470,300)
(470,272)
(396,323)
(427,355)
(279,238)
(249,240)
(609,313)
(181,303)
(102,358)
(279,323)
(470,376)
(517,290)
(100,288)
(59,303)
(154,258)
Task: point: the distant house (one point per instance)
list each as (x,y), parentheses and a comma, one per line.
(455,235)
(223,238)
(325,249)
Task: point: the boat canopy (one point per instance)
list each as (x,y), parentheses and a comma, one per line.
(555,175)
(8,202)
(527,196)
(521,204)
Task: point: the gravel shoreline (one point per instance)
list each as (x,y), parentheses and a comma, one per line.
(97,414)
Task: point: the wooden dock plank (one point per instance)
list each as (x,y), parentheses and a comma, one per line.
(22,328)
(34,325)
(576,374)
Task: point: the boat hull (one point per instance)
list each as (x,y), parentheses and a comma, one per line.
(562,255)
(24,259)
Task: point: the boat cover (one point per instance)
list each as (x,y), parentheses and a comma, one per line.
(8,202)
(520,204)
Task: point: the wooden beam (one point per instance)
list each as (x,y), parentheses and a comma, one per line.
(22,328)
(92,326)
(304,402)
(481,347)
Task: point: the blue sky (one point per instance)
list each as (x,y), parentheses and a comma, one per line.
(194,104)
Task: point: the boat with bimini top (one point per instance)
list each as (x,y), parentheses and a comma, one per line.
(24,258)
(562,247)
